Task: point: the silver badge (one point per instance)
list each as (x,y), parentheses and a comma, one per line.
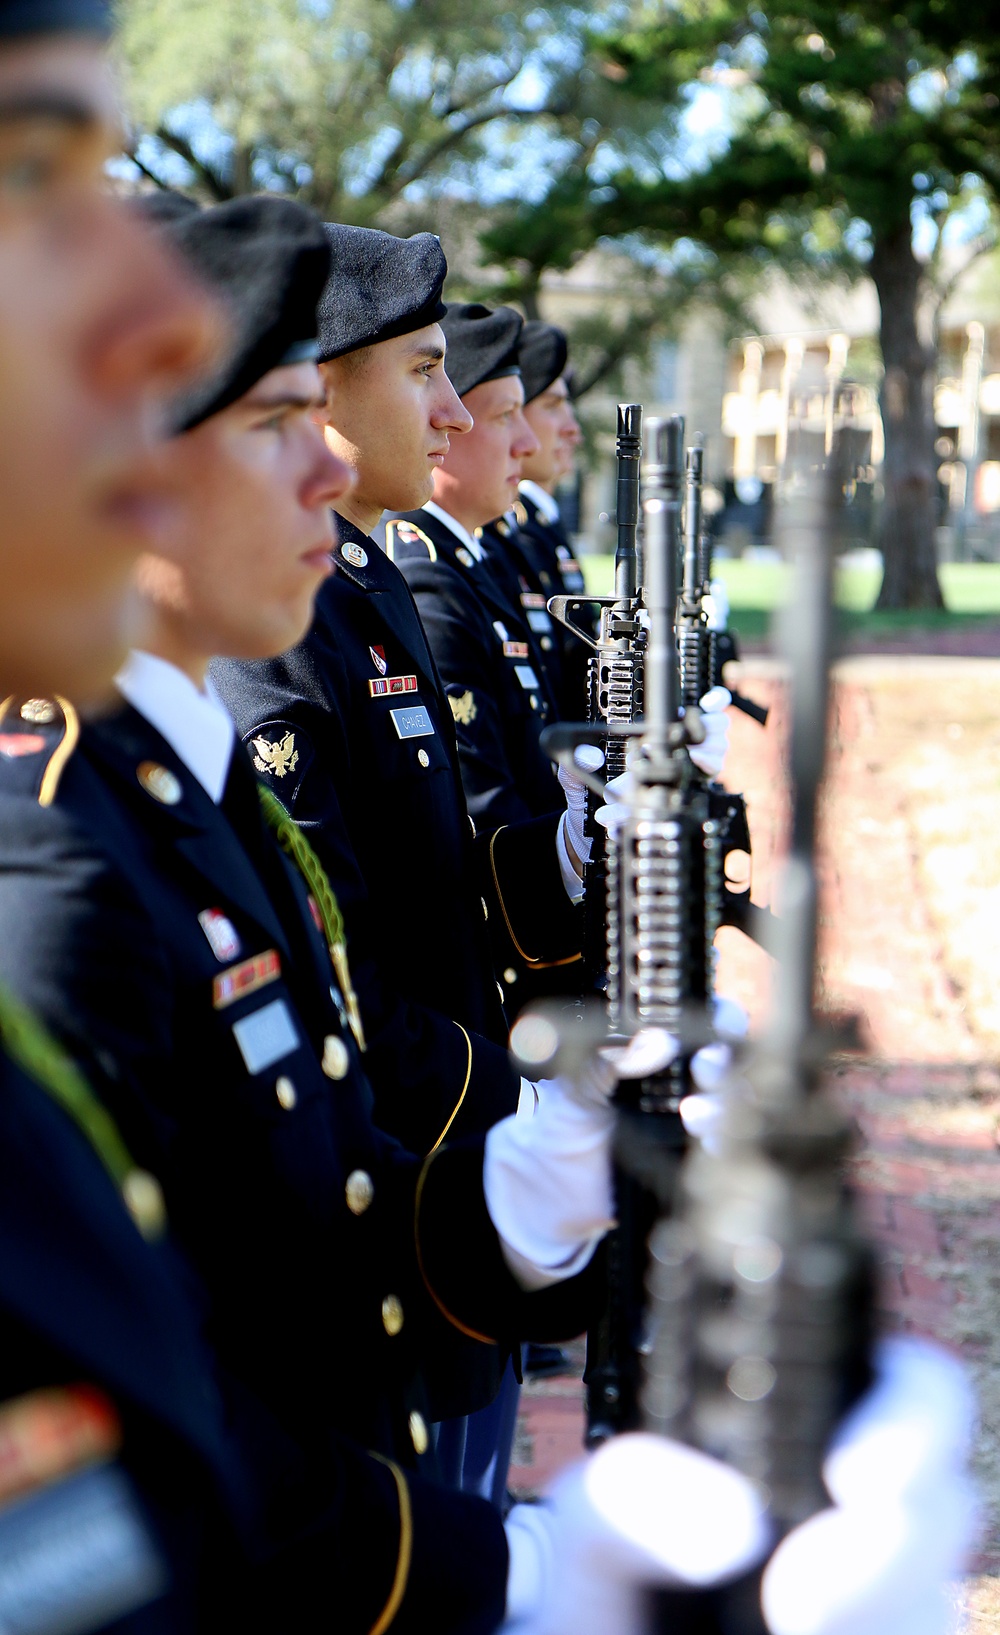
(355,554)
(415,723)
(266,1035)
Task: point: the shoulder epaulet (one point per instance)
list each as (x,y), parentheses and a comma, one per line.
(521,516)
(38,735)
(401,532)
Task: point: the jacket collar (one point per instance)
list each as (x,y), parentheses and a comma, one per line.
(381,577)
(195,722)
(540,498)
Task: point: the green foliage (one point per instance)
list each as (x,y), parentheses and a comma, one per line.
(859,113)
(409,116)
(351,104)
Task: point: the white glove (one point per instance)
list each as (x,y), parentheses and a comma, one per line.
(701,1114)
(590,758)
(547,1182)
(547,1178)
(709,755)
(646,1512)
(641,1511)
(903,1520)
(716,605)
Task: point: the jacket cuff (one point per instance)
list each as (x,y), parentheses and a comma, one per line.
(463,1266)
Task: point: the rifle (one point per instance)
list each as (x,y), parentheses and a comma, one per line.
(698,648)
(614,670)
(761,1285)
(663,906)
(704,652)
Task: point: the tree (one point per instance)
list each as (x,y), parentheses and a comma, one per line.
(403,115)
(356,106)
(865,134)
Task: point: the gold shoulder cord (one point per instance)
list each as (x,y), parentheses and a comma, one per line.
(30,1045)
(404,1554)
(295,845)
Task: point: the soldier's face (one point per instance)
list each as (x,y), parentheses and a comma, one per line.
(238,578)
(96,325)
(391,413)
(550,416)
(478,480)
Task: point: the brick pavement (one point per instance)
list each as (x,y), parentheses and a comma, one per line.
(911,947)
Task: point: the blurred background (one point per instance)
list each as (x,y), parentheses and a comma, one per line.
(771,219)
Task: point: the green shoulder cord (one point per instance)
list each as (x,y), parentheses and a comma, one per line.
(29,1044)
(294,843)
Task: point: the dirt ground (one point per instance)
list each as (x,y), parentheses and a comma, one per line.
(910,943)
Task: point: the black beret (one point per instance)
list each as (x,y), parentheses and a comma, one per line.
(20,17)
(267,258)
(380,286)
(162,205)
(542,352)
(482,343)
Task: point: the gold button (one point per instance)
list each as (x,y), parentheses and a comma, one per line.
(472,825)
(392,1315)
(41,711)
(423,757)
(336,1061)
(159,782)
(510,975)
(418,1432)
(359,1191)
(546,644)
(533,701)
(143,1197)
(286,1093)
(486,912)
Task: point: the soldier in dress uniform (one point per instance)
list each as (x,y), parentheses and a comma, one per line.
(539,535)
(114,1472)
(543,354)
(468,590)
(375,730)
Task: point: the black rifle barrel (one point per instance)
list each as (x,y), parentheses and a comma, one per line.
(694,461)
(807,642)
(628,448)
(662,511)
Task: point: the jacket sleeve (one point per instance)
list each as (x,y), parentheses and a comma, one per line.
(431,1077)
(533,923)
(393,1555)
(460,1265)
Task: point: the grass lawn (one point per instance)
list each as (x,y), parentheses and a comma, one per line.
(971,592)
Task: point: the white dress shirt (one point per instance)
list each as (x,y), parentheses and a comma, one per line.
(194,721)
(541,498)
(471,543)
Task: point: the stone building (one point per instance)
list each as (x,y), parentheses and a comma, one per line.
(770,398)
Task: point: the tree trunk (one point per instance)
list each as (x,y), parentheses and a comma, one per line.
(909,511)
